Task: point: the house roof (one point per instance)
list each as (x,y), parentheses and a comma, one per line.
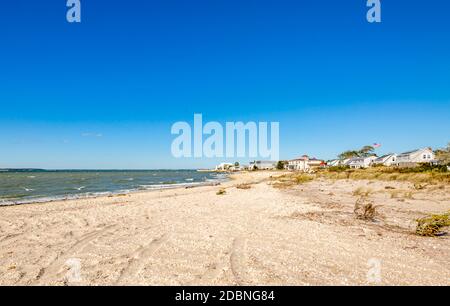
(306,157)
(384,157)
(414,151)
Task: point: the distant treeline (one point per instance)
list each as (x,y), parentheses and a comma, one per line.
(22,170)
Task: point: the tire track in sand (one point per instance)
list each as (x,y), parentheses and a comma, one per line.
(238,260)
(53,269)
(139,259)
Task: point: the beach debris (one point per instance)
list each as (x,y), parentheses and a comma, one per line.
(221,191)
(12,267)
(418,186)
(363,192)
(365,209)
(244,186)
(431,226)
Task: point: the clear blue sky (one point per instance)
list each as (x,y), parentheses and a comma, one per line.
(104,93)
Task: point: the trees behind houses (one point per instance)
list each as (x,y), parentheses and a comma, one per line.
(365,151)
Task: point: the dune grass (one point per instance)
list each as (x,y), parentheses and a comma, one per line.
(365,209)
(291,180)
(420,179)
(362,191)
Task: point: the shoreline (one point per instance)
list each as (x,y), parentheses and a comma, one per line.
(74,197)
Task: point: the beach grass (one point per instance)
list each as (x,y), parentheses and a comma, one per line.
(291,180)
(431,226)
(221,191)
(420,179)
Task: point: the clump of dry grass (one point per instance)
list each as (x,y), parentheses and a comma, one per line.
(401,194)
(221,191)
(244,186)
(303,178)
(365,209)
(431,226)
(361,191)
(418,186)
(290,180)
(408,195)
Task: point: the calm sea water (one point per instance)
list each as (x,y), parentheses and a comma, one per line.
(39,186)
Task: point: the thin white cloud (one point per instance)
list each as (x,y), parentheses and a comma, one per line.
(92,135)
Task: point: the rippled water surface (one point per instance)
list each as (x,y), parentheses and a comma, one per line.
(39,185)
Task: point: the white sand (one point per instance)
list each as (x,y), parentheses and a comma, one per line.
(307,235)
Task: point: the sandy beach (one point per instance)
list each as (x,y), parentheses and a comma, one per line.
(304,235)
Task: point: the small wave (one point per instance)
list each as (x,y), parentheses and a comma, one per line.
(189,179)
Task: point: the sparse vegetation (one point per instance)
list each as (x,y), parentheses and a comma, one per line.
(290,180)
(443,155)
(281,164)
(431,226)
(361,191)
(221,191)
(338,168)
(365,209)
(244,186)
(418,186)
(417,175)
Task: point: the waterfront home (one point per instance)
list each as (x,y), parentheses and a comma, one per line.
(262,165)
(361,162)
(224,167)
(413,158)
(305,163)
(386,160)
(334,163)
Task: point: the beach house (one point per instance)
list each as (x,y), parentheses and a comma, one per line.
(263,165)
(224,167)
(304,163)
(386,160)
(361,162)
(334,163)
(413,158)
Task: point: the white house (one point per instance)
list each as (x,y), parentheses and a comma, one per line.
(304,163)
(412,158)
(224,167)
(345,162)
(386,160)
(361,162)
(263,165)
(334,163)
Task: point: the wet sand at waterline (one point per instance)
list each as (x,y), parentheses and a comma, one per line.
(304,235)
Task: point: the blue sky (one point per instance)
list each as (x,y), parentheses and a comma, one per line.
(104,93)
